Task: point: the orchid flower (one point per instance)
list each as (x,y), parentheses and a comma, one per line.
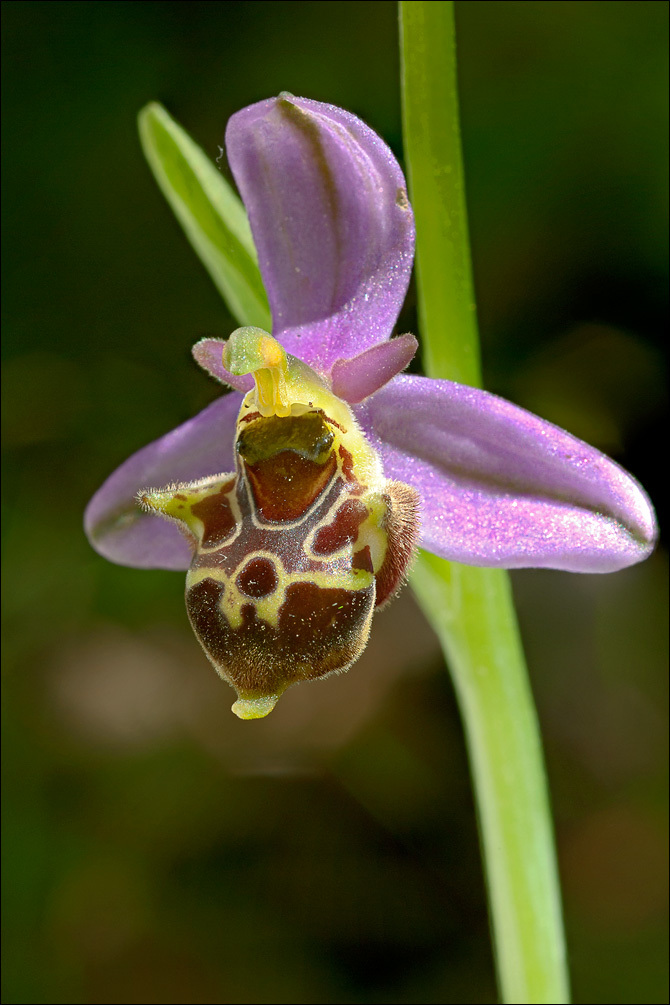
(296,501)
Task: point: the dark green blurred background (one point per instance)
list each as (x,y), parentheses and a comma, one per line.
(156,848)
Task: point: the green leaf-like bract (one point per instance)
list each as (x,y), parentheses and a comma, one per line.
(210,212)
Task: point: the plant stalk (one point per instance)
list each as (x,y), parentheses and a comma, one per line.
(472,609)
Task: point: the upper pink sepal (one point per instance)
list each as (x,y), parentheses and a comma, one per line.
(334,231)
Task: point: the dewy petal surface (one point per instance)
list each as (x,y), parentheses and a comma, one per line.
(501,487)
(114,523)
(334,230)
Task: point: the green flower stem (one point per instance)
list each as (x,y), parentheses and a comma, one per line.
(447,313)
(472,612)
(472,609)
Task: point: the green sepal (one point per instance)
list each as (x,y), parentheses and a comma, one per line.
(210,212)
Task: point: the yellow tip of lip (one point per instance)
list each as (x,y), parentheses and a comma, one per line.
(255,708)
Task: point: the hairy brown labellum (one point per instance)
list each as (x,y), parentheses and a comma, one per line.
(292,552)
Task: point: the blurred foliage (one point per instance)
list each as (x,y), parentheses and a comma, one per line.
(157,849)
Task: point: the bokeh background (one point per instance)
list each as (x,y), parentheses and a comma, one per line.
(156,848)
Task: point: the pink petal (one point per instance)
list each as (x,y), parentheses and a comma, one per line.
(208,353)
(115,525)
(501,487)
(357,378)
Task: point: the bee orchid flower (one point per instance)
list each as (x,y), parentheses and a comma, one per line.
(296,500)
